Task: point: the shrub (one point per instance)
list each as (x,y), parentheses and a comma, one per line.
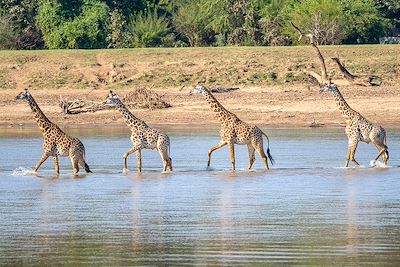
(272,76)
(148,29)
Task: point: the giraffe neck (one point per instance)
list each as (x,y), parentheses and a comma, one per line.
(222,113)
(130,119)
(42,121)
(344,108)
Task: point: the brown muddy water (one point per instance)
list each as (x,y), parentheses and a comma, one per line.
(306,211)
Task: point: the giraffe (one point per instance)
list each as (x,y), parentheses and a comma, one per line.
(56,142)
(234,131)
(142,137)
(358,128)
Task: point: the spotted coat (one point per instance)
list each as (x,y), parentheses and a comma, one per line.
(56,142)
(142,135)
(235,131)
(358,128)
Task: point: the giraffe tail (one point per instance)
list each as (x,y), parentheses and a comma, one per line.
(87,169)
(271,159)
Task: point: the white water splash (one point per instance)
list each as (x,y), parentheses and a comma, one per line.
(22,171)
(377,163)
(124,171)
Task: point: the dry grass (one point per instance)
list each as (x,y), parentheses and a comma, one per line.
(176,67)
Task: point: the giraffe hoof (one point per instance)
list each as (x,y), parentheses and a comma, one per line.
(125,171)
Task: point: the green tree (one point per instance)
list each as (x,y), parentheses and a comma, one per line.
(367,24)
(272,22)
(234,19)
(190,22)
(80,25)
(7,32)
(22,14)
(323,18)
(390,9)
(126,7)
(118,35)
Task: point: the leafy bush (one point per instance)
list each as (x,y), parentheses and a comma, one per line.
(272,76)
(22,15)
(148,29)
(87,30)
(190,22)
(367,24)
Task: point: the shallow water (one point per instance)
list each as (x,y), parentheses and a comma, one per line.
(307,210)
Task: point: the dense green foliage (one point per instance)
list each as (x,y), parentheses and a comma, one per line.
(36,24)
(82,25)
(147,29)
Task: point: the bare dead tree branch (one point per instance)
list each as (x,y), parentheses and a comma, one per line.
(369,80)
(342,69)
(323,78)
(324,75)
(302,35)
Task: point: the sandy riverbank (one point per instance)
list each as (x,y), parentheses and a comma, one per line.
(283,106)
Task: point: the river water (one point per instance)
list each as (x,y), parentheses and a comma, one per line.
(306,211)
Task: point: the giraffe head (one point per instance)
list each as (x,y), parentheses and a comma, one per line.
(329,87)
(112,100)
(199,89)
(24,95)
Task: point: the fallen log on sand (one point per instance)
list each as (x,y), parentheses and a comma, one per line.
(139,98)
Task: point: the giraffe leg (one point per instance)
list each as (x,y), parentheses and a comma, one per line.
(75,166)
(348,156)
(353,153)
(40,162)
(138,154)
(167,162)
(56,166)
(382,151)
(232,154)
(385,156)
(218,146)
(125,156)
(251,151)
(260,150)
